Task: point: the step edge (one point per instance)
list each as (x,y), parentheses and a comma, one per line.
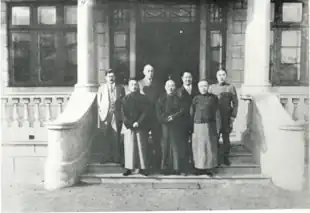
(239,165)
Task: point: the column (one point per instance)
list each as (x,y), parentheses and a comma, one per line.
(132,39)
(203,40)
(257,47)
(86,46)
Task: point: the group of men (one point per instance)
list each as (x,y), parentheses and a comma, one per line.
(185,123)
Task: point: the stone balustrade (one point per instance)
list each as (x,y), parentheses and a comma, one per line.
(28,113)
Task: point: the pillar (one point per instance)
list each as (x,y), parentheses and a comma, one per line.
(257,47)
(132,39)
(203,40)
(86,46)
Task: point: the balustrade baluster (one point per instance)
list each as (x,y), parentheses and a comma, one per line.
(5,112)
(284,101)
(48,102)
(37,122)
(60,102)
(26,122)
(295,115)
(15,115)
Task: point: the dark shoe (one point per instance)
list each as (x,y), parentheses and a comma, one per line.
(209,173)
(198,172)
(143,172)
(127,172)
(227,161)
(177,172)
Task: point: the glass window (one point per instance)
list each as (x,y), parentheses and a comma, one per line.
(42,51)
(47,15)
(120,39)
(272,8)
(70,15)
(47,56)
(20,15)
(291,38)
(292,12)
(216,39)
(20,55)
(71,57)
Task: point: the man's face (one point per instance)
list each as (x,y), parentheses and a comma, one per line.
(110,78)
(148,72)
(221,76)
(187,78)
(133,86)
(203,87)
(170,87)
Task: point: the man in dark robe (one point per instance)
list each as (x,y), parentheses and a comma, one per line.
(169,111)
(186,93)
(228,106)
(205,114)
(152,90)
(135,111)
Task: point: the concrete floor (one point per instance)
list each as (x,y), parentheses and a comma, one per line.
(222,195)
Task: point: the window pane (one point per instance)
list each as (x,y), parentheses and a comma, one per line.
(216,39)
(288,72)
(290,55)
(47,15)
(71,61)
(21,56)
(47,56)
(120,39)
(70,15)
(291,38)
(20,15)
(292,12)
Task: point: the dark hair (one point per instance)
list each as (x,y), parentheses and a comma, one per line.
(132,79)
(222,70)
(109,71)
(187,71)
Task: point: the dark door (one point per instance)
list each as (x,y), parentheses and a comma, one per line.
(171,48)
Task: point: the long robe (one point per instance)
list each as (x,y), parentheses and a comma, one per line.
(204,111)
(152,92)
(187,125)
(170,105)
(135,109)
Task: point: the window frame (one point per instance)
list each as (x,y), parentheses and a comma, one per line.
(278,26)
(35,29)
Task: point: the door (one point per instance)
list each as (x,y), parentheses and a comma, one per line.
(171,48)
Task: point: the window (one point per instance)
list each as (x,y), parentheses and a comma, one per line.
(42,44)
(288,43)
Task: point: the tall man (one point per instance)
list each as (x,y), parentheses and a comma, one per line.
(135,111)
(186,93)
(109,103)
(152,91)
(169,111)
(228,107)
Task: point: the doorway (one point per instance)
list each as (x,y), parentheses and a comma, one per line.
(170,47)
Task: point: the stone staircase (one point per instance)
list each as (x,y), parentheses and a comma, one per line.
(242,167)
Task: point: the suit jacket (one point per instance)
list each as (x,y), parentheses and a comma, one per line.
(104,102)
(152,92)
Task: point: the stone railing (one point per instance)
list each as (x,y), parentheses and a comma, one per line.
(296,105)
(277,141)
(69,141)
(27,114)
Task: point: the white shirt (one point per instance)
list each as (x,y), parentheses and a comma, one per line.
(188,88)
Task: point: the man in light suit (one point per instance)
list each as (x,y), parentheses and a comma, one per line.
(109,99)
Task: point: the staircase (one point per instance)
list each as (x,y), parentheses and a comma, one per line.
(242,167)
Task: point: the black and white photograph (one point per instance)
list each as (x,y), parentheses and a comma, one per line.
(154,105)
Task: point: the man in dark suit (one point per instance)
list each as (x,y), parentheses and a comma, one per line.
(186,93)
(228,107)
(152,90)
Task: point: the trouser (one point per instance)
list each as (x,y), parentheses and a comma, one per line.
(224,150)
(135,146)
(186,152)
(154,149)
(113,144)
(170,148)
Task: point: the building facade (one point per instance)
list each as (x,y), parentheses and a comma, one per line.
(261,44)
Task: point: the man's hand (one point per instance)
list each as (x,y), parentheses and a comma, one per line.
(135,125)
(170,118)
(232,120)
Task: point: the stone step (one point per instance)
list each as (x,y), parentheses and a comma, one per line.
(234,169)
(160,181)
